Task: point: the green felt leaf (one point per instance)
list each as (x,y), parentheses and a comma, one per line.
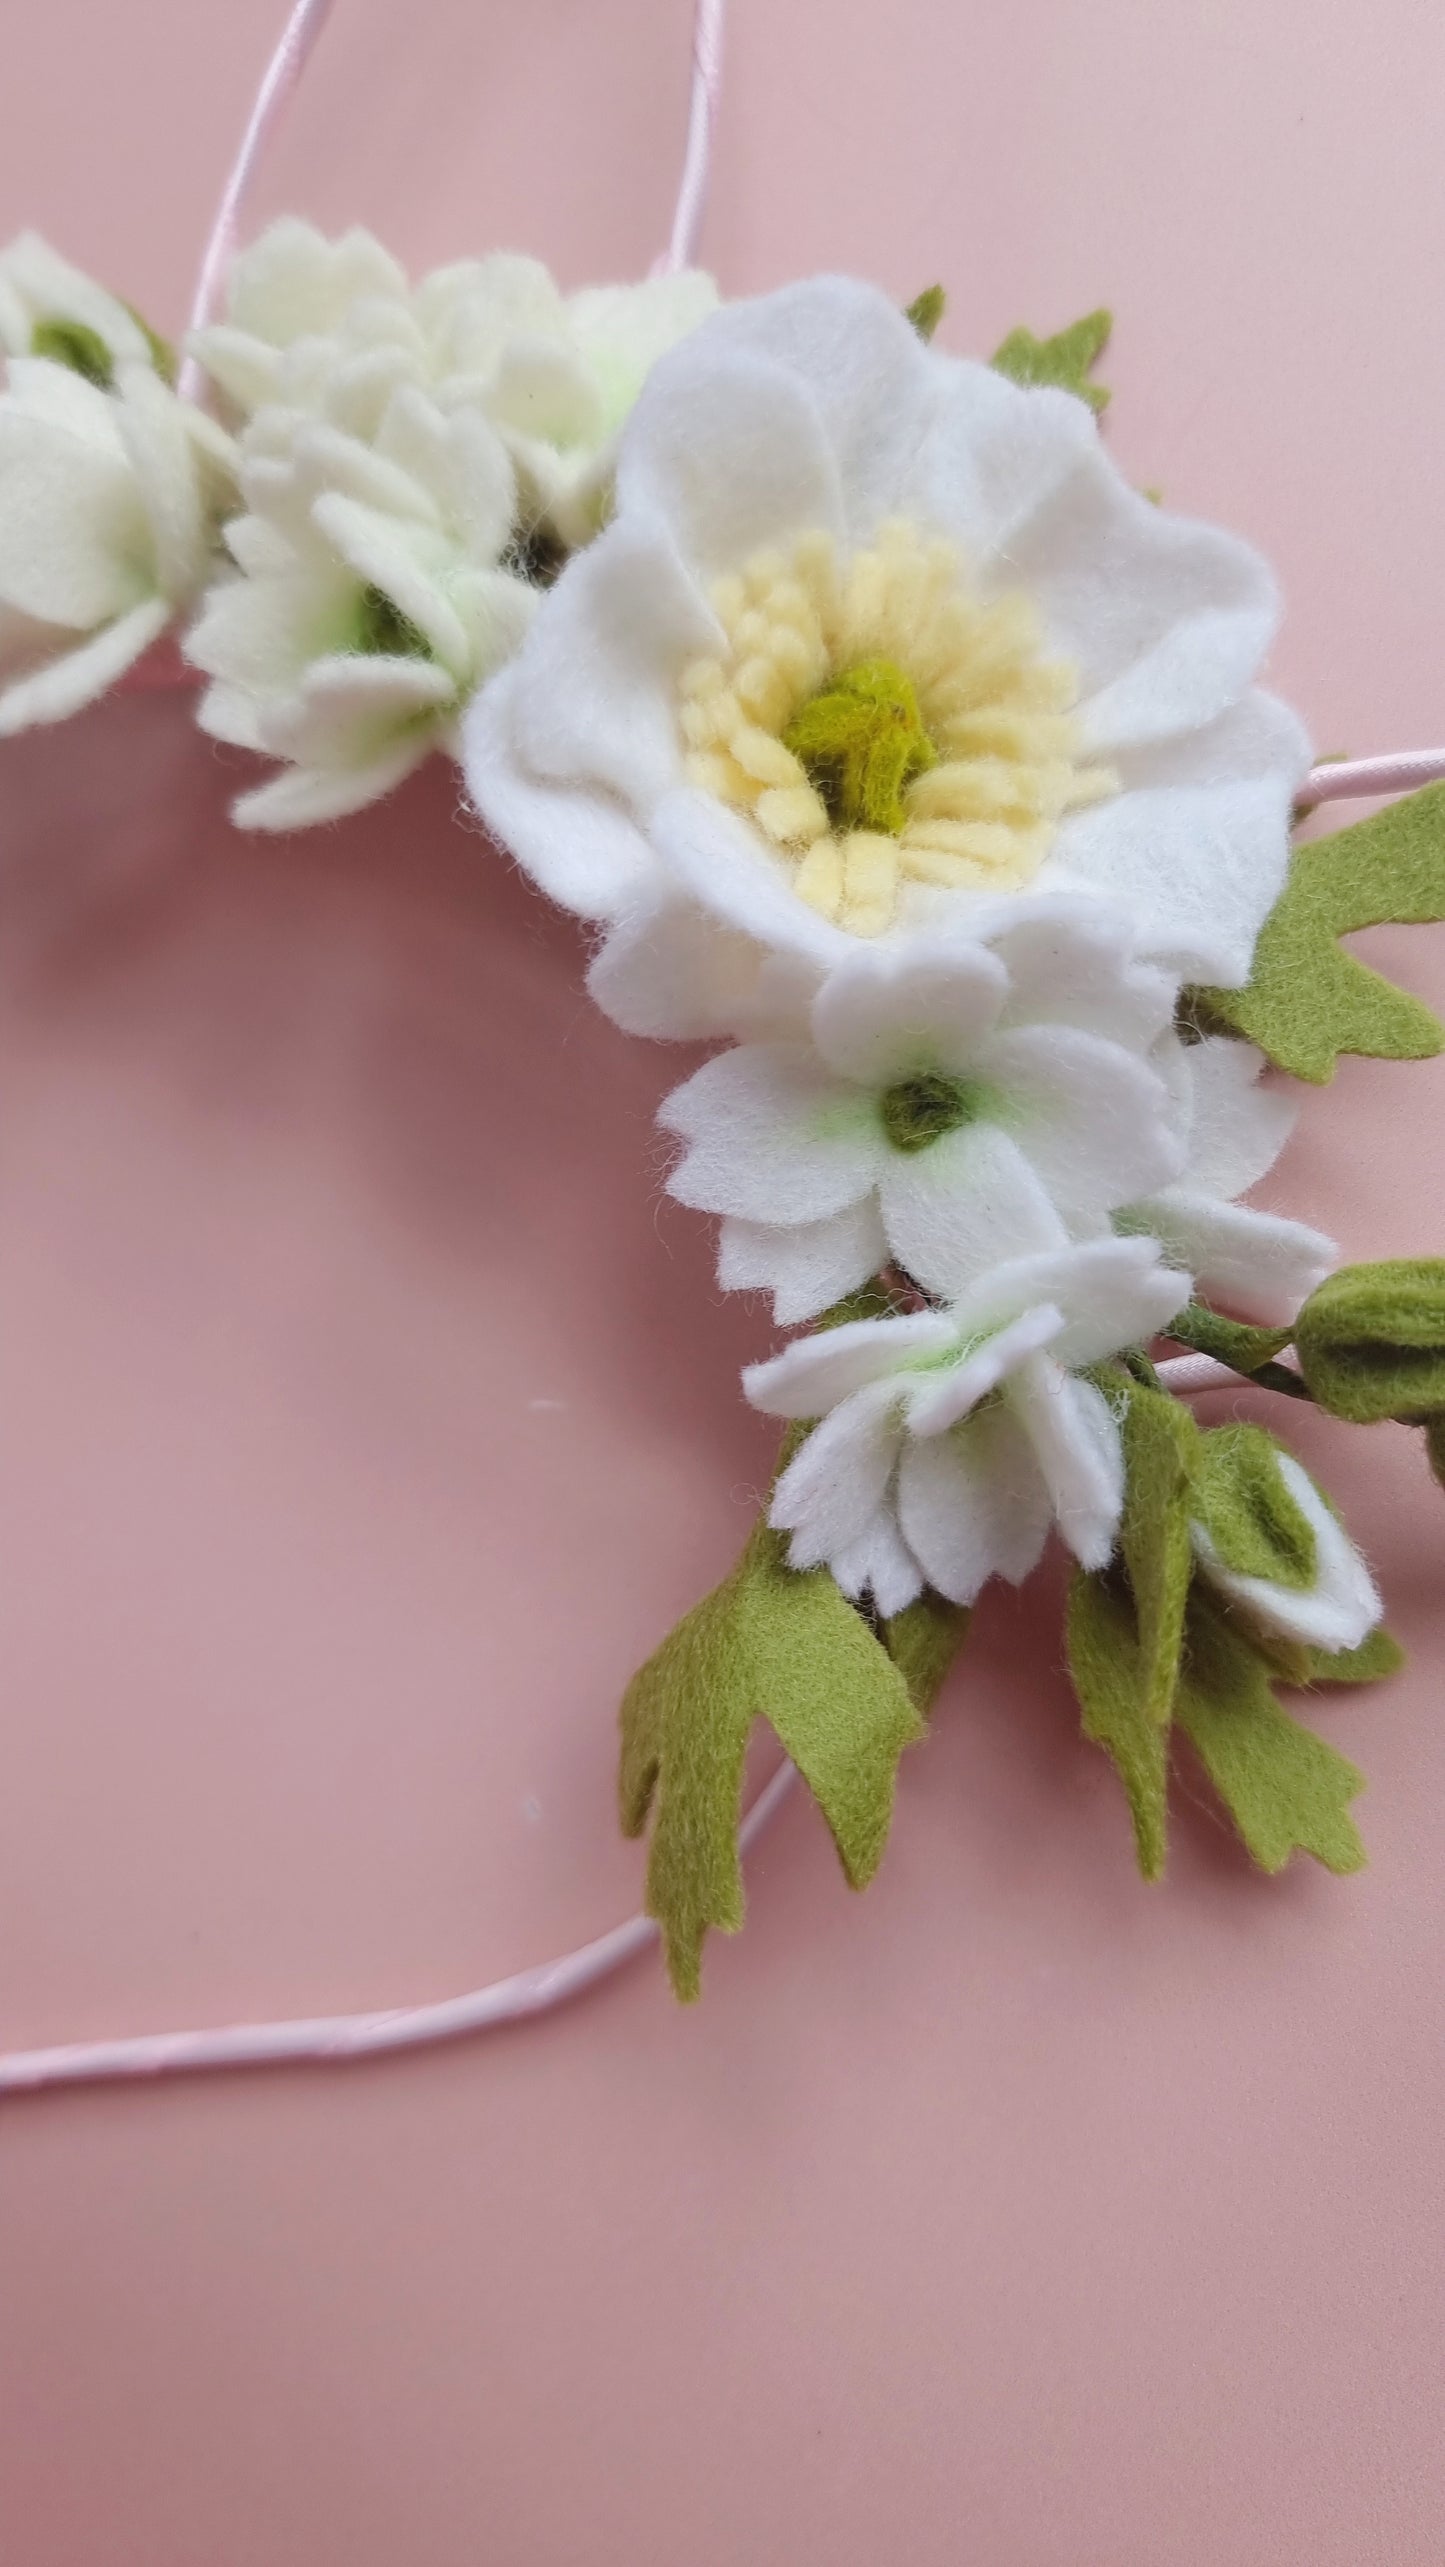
(789,1647)
(1379,1655)
(1284,1787)
(1106,1665)
(1228,1341)
(1435,1446)
(923,1641)
(1064,360)
(1308,1000)
(1255,1522)
(1162,1450)
(926,310)
(1371,1340)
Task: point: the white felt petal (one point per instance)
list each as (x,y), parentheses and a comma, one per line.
(580,848)
(958,1208)
(807,1266)
(882,1016)
(74,543)
(1115,1292)
(230,713)
(1257,1264)
(1237,1126)
(1165,620)
(815,1373)
(38,388)
(349,710)
(1070,962)
(972,1506)
(59,689)
(397,559)
(670,969)
(996,456)
(942,1399)
(247,370)
(879,1564)
(729,453)
(596,689)
(158,442)
(1077,1447)
(833,1487)
(724,865)
(772,1136)
(262,634)
(300,797)
(1197,846)
(53,289)
(1342,1606)
(1092,1119)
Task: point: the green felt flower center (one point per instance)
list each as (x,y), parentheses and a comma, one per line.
(918,1111)
(70,343)
(384,632)
(861,742)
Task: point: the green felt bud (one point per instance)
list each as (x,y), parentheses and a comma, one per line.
(1283,1787)
(926,310)
(1307,999)
(1371,1340)
(860,742)
(1229,1341)
(1065,360)
(74,345)
(1246,1507)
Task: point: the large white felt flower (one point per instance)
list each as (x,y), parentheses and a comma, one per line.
(374,589)
(876,633)
(335,327)
(952,1439)
(108,502)
(1335,1608)
(934,1088)
(50,309)
(1256,1263)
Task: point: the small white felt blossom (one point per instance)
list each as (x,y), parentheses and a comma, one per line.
(50,309)
(952,1439)
(876,634)
(108,503)
(1256,1263)
(935,1094)
(335,327)
(1335,1608)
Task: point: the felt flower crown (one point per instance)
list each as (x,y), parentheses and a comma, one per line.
(891,744)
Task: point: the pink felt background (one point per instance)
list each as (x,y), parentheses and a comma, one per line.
(367,1414)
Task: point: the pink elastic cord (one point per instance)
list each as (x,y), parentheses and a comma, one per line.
(707,39)
(1349,779)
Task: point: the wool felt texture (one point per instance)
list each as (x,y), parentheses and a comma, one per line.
(1307,1000)
(1245,1349)
(1284,1788)
(1067,359)
(926,310)
(1435,1446)
(789,1648)
(1244,1502)
(71,344)
(1162,1457)
(923,1641)
(1335,1607)
(1106,1665)
(1371,1340)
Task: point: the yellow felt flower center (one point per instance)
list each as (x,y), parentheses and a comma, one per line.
(882,723)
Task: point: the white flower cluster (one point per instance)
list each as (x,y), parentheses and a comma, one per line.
(406,470)
(886,734)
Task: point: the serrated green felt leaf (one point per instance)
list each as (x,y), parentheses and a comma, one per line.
(1228,1341)
(1064,360)
(787,1646)
(923,1641)
(1371,1340)
(1308,1000)
(926,310)
(1105,1663)
(1283,1787)
(1378,1655)
(1162,1447)
(1256,1524)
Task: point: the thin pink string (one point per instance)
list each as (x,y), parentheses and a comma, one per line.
(707,40)
(1352,778)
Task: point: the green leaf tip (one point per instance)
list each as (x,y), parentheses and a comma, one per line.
(784,1645)
(926,310)
(1066,360)
(1284,1788)
(1307,1000)
(1371,1341)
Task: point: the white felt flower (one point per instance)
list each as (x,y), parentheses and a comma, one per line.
(335,327)
(1258,1264)
(934,1089)
(373,591)
(950,1440)
(108,502)
(50,309)
(1336,1610)
(875,634)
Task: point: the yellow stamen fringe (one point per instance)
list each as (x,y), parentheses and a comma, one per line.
(999,715)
